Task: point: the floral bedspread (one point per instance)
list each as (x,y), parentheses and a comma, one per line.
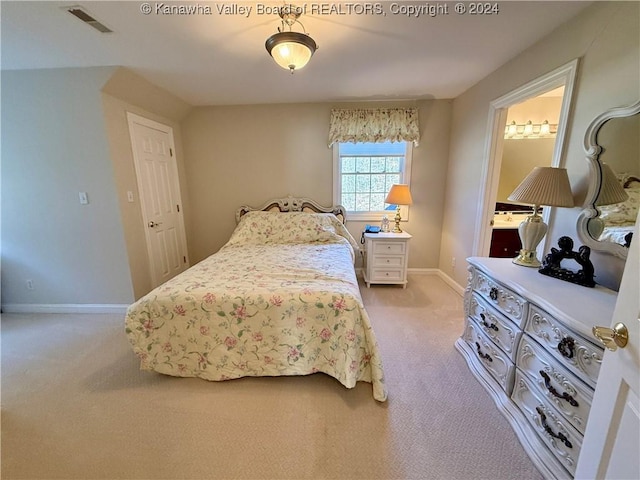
(280,298)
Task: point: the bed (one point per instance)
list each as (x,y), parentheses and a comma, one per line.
(279,298)
(619,219)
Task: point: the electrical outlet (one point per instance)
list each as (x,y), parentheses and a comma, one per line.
(453,261)
(29,284)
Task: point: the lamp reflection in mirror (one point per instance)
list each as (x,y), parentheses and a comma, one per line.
(544,186)
(611,192)
(398,195)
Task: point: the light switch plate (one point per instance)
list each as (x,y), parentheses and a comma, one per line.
(84,199)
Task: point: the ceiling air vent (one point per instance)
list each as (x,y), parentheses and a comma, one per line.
(82,14)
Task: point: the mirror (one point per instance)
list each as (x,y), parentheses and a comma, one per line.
(612,146)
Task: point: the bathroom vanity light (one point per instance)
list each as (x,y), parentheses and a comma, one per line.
(530,130)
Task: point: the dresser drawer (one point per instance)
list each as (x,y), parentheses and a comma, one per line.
(497,363)
(570,396)
(574,352)
(384,275)
(561,438)
(389,248)
(388,261)
(509,303)
(495,325)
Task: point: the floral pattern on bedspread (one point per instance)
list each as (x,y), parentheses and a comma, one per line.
(280,298)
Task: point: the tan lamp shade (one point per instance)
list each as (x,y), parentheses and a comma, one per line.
(399,195)
(545,186)
(611,190)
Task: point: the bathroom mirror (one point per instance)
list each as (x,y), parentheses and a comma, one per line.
(612,146)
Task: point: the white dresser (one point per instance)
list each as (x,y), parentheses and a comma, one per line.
(527,339)
(386,258)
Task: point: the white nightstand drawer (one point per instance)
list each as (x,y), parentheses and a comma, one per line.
(561,438)
(389,248)
(580,356)
(502,298)
(387,275)
(495,325)
(386,258)
(562,389)
(494,360)
(388,261)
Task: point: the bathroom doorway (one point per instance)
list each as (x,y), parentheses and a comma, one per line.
(529,141)
(499,111)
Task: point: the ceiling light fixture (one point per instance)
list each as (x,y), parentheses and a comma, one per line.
(291,50)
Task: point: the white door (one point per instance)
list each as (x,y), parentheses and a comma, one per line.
(611,448)
(157,172)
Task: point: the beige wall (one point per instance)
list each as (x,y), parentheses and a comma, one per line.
(519,157)
(241,155)
(620,141)
(61,136)
(537,110)
(54,145)
(127,92)
(605,38)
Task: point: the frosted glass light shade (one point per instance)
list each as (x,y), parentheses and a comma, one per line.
(545,129)
(291,50)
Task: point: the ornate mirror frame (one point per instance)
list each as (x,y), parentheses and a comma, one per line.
(593,151)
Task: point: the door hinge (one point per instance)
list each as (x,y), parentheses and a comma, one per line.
(184,259)
(171,151)
(178,207)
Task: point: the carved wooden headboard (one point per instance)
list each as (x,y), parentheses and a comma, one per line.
(294,204)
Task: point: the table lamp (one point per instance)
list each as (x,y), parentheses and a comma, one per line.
(611,192)
(398,195)
(544,186)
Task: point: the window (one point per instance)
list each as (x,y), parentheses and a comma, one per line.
(364,173)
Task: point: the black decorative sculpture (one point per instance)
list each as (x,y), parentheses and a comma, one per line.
(552,268)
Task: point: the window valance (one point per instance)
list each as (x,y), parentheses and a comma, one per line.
(374,125)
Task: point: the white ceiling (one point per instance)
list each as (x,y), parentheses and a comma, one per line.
(220,59)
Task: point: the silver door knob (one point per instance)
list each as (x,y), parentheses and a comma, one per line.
(154,224)
(612,338)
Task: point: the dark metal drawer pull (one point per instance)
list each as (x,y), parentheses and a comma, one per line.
(547,429)
(486,356)
(493,293)
(554,392)
(566,347)
(492,326)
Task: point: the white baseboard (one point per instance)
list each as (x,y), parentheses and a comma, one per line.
(455,286)
(422,271)
(432,271)
(443,276)
(64,308)
(122,309)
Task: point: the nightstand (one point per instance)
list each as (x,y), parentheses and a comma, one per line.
(386,258)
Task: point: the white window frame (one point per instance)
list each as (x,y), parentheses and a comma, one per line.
(371,216)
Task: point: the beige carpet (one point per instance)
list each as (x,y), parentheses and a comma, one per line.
(75,405)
